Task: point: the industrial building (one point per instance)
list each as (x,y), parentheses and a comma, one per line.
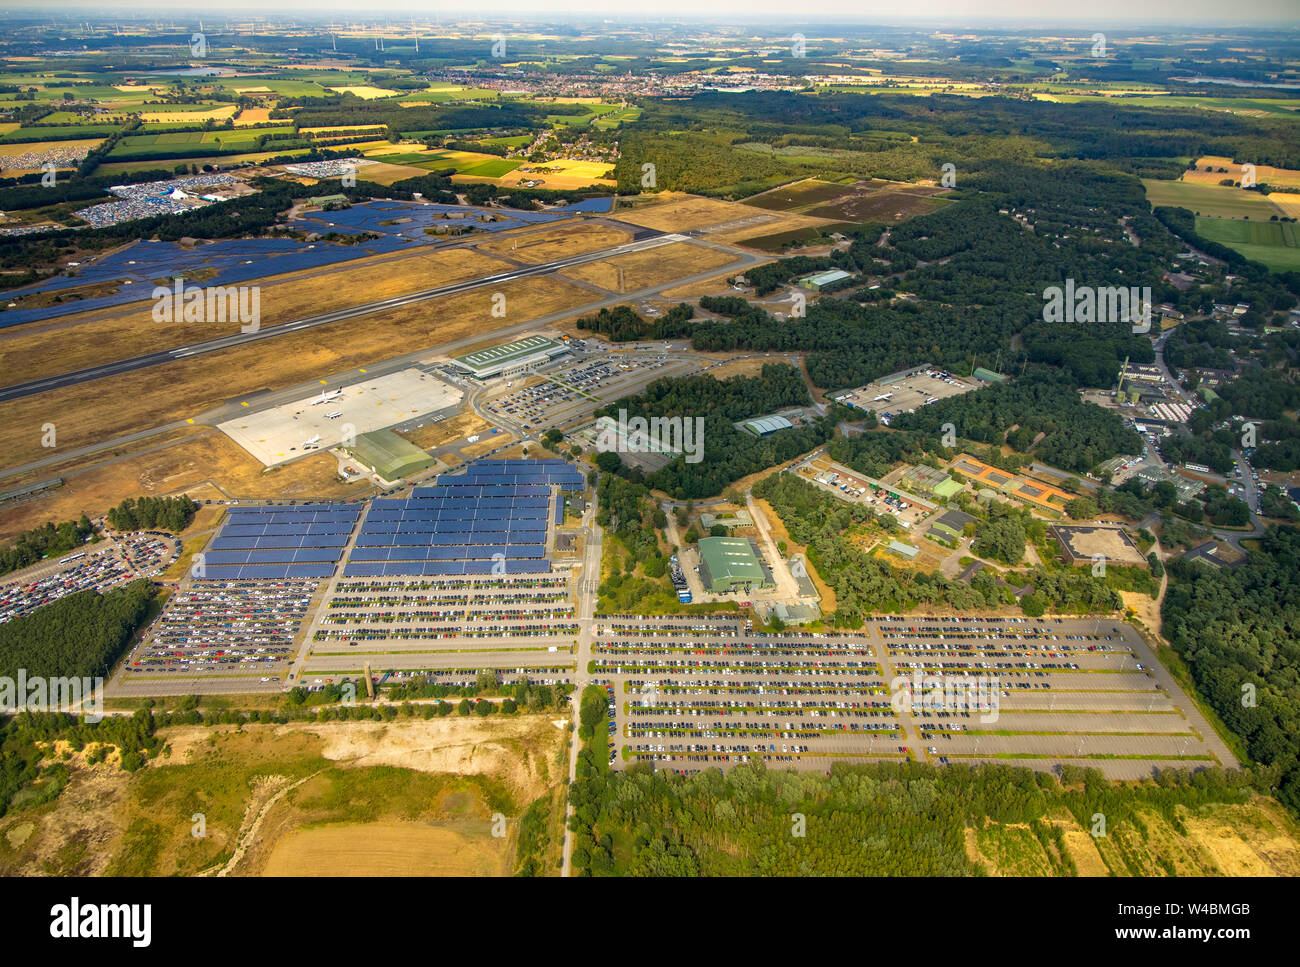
(730,564)
(512,358)
(928,480)
(1086,543)
(907,552)
(767,424)
(1041,495)
(951,526)
(820,280)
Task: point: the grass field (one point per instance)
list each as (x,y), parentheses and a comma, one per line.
(186,463)
(562,174)
(9,149)
(1275,244)
(1212,201)
(125,331)
(641,270)
(1264,174)
(365,91)
(549,245)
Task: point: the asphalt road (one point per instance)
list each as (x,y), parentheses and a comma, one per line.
(21,390)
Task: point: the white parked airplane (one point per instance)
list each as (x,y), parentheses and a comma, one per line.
(312,442)
(334,416)
(326,397)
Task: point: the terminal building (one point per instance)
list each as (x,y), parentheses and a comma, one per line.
(512,358)
(731,564)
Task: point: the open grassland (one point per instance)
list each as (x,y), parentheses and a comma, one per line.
(10,149)
(1288,202)
(183,389)
(721,221)
(412,797)
(717,285)
(125,167)
(174,114)
(1275,244)
(641,270)
(126,331)
(253,115)
(1264,174)
(560,174)
(1212,201)
(200,461)
(573,238)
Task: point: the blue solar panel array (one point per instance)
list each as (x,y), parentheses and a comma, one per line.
(494,515)
(277,542)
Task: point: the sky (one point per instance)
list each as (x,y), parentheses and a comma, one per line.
(1094,14)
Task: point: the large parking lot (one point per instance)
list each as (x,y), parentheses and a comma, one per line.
(888,397)
(99,566)
(690,693)
(213,632)
(443,624)
(571,394)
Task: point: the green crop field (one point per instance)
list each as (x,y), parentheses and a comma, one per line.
(1275,244)
(490,169)
(1212,201)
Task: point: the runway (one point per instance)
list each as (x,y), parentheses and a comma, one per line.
(21,390)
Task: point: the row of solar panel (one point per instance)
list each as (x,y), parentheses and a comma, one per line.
(294,509)
(529,482)
(490,490)
(446,501)
(472,552)
(452,526)
(267,572)
(444,568)
(559,512)
(493,513)
(486,531)
(445,540)
(482,551)
(292,517)
(281,530)
(502,465)
(224,543)
(306,555)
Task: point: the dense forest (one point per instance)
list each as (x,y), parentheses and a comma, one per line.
(1238,629)
(725,453)
(43,541)
(79,636)
(153,513)
(1075,435)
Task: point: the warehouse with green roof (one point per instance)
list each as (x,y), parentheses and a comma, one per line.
(730,564)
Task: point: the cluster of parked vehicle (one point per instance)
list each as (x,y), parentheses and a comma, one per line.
(143,555)
(212,625)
